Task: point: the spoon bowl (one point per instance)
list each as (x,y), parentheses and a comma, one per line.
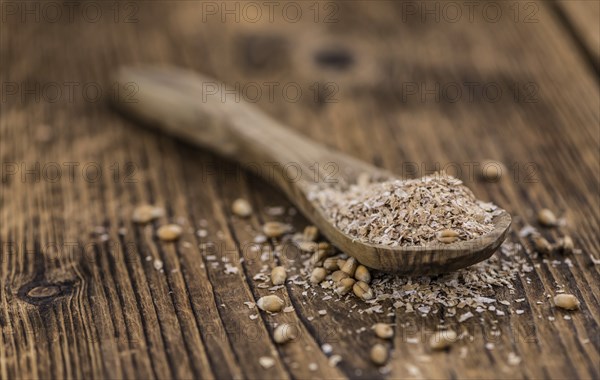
(198,110)
(421,260)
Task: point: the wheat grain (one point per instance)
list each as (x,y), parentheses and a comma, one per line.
(379,354)
(241,208)
(566,301)
(270,303)
(169,232)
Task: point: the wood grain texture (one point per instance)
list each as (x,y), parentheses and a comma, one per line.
(78,301)
(581,18)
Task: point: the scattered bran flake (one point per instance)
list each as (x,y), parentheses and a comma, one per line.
(423,358)
(413,370)
(275,210)
(406,212)
(334,360)
(527,230)
(568,262)
(261,277)
(513,359)
(473,288)
(266,362)
(468,290)
(231,269)
(260,239)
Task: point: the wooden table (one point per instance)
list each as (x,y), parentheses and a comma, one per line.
(407,86)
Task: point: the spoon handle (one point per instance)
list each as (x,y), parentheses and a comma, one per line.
(198,110)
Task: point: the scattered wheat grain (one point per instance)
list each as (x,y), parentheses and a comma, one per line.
(566,301)
(310,233)
(566,245)
(379,354)
(541,245)
(383,330)
(363,291)
(492,171)
(278,275)
(362,274)
(349,266)
(441,340)
(547,218)
(318,275)
(275,229)
(344,286)
(331,264)
(270,303)
(146,213)
(169,232)
(338,275)
(241,208)
(285,333)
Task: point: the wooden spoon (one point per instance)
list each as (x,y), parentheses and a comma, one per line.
(198,110)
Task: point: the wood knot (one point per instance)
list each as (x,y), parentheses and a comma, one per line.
(263,52)
(41,292)
(338,59)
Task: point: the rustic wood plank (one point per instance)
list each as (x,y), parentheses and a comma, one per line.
(102,310)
